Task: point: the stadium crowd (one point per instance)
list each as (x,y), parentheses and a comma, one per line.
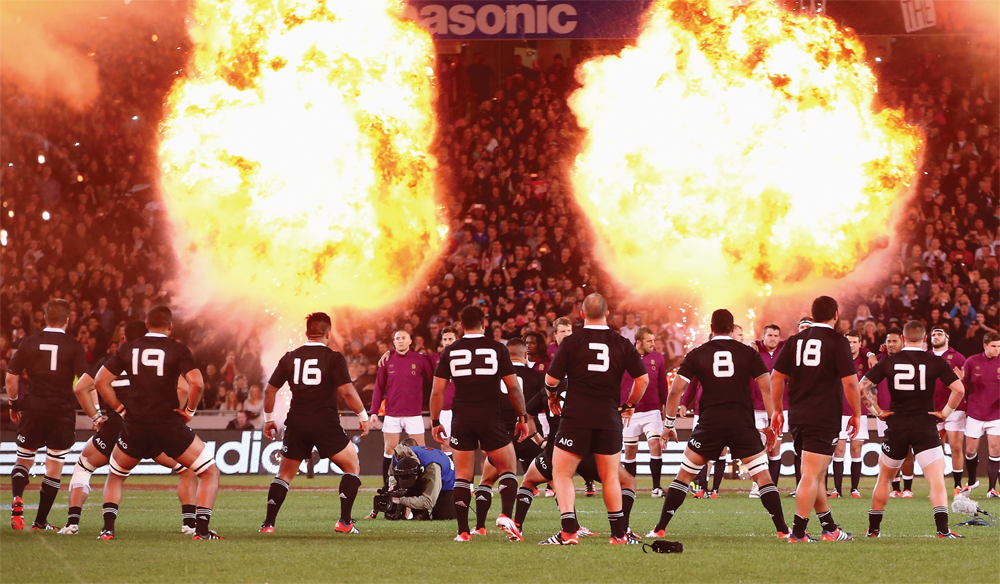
(82,220)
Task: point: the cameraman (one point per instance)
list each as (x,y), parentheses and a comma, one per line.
(422,480)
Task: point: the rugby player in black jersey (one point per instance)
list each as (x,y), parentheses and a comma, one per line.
(315,374)
(593,361)
(725,368)
(911,375)
(478,366)
(532,383)
(152,421)
(97,452)
(47,416)
(818,364)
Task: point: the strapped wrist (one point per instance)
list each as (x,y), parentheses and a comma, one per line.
(363,415)
(268,416)
(435,422)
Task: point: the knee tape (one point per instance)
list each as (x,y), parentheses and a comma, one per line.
(81,475)
(652,435)
(928,456)
(179,468)
(889,462)
(56,455)
(117,470)
(25,453)
(203,462)
(689,466)
(631,440)
(756,465)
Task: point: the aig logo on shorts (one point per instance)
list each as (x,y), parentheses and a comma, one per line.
(454,441)
(20,439)
(122,444)
(885,447)
(694,443)
(566,442)
(100,443)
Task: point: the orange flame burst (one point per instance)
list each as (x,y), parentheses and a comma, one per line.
(736,148)
(296,158)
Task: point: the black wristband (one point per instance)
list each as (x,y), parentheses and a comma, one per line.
(627,406)
(435,423)
(551,390)
(523,418)
(15,405)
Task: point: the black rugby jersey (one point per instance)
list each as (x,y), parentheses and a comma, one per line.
(725,368)
(52,360)
(313,373)
(911,375)
(477,365)
(154,364)
(816,359)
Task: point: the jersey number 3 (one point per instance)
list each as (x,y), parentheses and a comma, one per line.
(603,360)
(462,357)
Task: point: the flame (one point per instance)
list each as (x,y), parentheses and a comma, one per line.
(296,159)
(733,149)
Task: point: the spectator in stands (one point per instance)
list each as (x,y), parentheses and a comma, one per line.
(240,422)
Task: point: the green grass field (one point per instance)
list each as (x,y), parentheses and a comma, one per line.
(729,539)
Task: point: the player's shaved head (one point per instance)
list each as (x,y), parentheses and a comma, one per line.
(135,329)
(722,322)
(914,331)
(518,348)
(56,312)
(595,307)
(824,309)
(318,324)
(159,317)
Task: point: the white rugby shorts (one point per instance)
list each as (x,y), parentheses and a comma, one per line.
(412,425)
(862,428)
(976,428)
(445,420)
(954,423)
(646,423)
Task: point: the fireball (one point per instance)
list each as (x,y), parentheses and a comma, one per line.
(295,156)
(736,149)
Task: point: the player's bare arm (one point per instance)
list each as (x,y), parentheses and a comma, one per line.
(777,391)
(551,387)
(437,402)
(11,386)
(638,389)
(353,400)
(516,397)
(196,383)
(673,403)
(957,393)
(852,393)
(270,428)
(869,393)
(764,383)
(84,391)
(103,384)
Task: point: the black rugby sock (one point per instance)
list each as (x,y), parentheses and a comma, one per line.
(463,496)
(855,474)
(386,463)
(992,468)
(202,516)
(957,475)
(50,488)
(896,485)
(349,485)
(110,515)
(631,467)
(826,520)
(655,469)
(275,497)
(941,519)
(617,521)
(717,473)
(774,467)
(676,493)
(507,485)
(971,466)
(799,525)
(701,480)
(875,521)
(798,470)
(187,515)
(838,475)
(19,481)
(74,516)
(771,500)
(525,496)
(908,483)
(628,499)
(569,522)
(484,500)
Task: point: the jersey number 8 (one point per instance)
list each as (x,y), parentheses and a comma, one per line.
(150,358)
(311,374)
(461,357)
(722,365)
